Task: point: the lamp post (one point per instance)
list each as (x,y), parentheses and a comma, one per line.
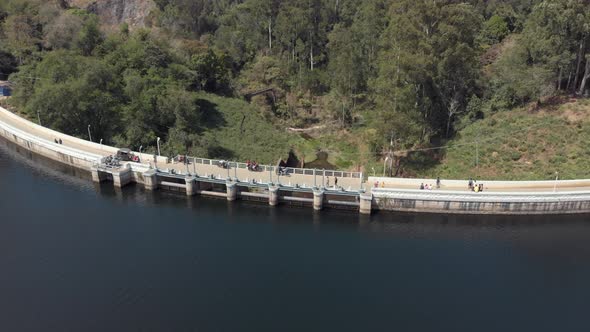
(140,147)
(89,136)
(158,144)
(100,143)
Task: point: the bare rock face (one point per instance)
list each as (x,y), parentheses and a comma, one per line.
(114,12)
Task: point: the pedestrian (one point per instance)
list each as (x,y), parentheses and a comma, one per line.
(470,184)
(421,186)
(60,142)
(438,182)
(55,140)
(335,182)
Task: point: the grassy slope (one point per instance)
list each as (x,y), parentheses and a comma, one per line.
(256,139)
(522,145)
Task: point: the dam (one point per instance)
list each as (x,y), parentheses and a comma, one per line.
(312,188)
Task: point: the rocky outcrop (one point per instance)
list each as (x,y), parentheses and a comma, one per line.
(114,12)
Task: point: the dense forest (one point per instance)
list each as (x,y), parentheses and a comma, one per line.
(381,75)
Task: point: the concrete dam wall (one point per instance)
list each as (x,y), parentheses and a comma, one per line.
(463,202)
(385,194)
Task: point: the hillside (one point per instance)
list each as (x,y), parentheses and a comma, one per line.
(522,145)
(237,131)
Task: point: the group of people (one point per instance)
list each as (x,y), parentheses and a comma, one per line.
(252,165)
(57,141)
(429,186)
(426,186)
(223,164)
(328,182)
(474,186)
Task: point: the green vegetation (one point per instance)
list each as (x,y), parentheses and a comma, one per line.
(235,130)
(521,145)
(381,80)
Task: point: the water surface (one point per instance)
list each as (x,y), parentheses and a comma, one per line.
(79,257)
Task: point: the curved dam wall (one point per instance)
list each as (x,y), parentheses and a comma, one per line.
(465,202)
(74,151)
(57,152)
(499,197)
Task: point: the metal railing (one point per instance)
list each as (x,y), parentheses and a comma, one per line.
(266,168)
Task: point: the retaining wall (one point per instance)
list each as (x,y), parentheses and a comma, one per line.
(464,202)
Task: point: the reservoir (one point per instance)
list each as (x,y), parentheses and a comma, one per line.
(78,256)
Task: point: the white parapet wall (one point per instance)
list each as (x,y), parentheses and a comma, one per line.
(465,202)
(52,133)
(78,157)
(58,152)
(414,183)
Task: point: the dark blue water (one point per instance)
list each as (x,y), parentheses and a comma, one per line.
(77,257)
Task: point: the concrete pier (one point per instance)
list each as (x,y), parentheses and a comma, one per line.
(191,186)
(232,191)
(122,177)
(318,199)
(97,175)
(150,180)
(273,195)
(366,202)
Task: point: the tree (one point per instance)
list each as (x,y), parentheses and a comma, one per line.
(495,30)
(90,36)
(427,69)
(211,71)
(62,32)
(22,35)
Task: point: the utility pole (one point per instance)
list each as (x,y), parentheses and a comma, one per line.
(477,150)
(477,153)
(391,154)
